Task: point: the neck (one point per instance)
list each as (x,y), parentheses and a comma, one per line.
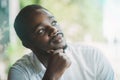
(42,56)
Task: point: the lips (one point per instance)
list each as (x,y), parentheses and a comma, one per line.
(57,37)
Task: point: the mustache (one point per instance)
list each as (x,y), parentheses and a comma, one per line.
(56,34)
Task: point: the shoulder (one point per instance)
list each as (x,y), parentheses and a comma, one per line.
(28,64)
(26,68)
(85,49)
(21,67)
(93,58)
(88,53)
(24,61)
(23,64)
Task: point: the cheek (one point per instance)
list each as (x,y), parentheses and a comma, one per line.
(43,40)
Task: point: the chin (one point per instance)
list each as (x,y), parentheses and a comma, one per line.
(60,46)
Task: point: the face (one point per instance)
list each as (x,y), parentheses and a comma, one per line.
(44,31)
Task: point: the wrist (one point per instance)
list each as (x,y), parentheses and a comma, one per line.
(50,76)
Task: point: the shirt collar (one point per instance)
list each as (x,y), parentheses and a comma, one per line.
(38,66)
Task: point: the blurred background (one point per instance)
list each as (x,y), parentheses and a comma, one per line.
(92,22)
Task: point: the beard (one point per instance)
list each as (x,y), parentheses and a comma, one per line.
(57,41)
(65,47)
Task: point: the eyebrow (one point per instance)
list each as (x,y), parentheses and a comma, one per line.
(49,17)
(36,26)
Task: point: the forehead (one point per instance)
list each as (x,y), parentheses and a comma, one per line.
(39,15)
(43,11)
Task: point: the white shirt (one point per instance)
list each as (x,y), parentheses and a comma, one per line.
(87,64)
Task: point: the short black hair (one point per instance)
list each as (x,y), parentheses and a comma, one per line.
(21,19)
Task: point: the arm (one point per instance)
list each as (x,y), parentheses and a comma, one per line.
(57,64)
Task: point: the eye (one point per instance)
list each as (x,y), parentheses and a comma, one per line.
(41,32)
(54,23)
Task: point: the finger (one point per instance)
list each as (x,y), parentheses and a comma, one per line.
(55,51)
(58,51)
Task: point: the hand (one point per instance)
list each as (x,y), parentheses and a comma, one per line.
(57,64)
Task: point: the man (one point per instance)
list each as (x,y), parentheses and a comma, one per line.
(52,58)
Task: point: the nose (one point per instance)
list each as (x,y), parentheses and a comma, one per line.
(53,31)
